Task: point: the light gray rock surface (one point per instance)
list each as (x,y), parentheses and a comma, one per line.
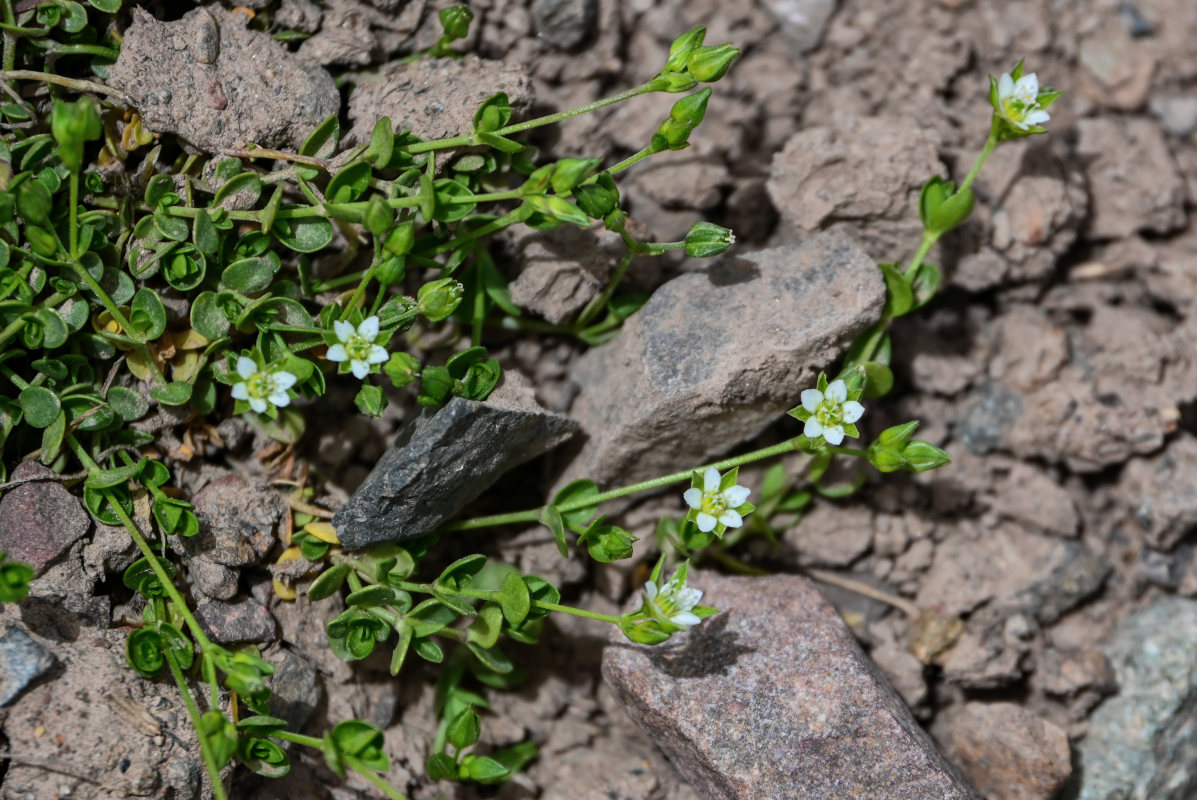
(22,661)
(774,699)
(445,458)
(1142,742)
(716,356)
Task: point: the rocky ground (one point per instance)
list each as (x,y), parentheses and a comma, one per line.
(1056,367)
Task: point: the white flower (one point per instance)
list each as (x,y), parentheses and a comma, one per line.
(357,346)
(262,386)
(829,412)
(716,507)
(673,602)
(1018,101)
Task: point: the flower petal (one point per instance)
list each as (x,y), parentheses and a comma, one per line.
(688,597)
(685,618)
(737,495)
(1038,117)
(812,429)
(1005,86)
(360,369)
(650,589)
(693,497)
(257,404)
(853,411)
(811,399)
(837,392)
(834,435)
(706,523)
(280,399)
(344,330)
(337,353)
(240,391)
(283,379)
(246,366)
(731,519)
(710,480)
(368,330)
(378,354)
(1026,88)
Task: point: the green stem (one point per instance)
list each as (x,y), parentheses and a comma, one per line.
(337,282)
(193,712)
(74,214)
(600,302)
(929,240)
(631,161)
(83,50)
(167,584)
(532,515)
(374,778)
(10,39)
(510,218)
(8,74)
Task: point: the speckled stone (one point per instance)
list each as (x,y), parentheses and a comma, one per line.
(39,520)
(717,355)
(774,699)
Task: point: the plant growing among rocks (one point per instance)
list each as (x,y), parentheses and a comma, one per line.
(136,274)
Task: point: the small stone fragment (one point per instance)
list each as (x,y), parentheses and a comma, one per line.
(1010,753)
(443,459)
(218,84)
(562,269)
(831,535)
(1142,742)
(295,689)
(802,21)
(39,520)
(1162,492)
(1079,677)
(434,98)
(211,579)
(716,356)
(245,620)
(237,521)
(564,24)
(774,699)
(1133,180)
(22,661)
(1178,115)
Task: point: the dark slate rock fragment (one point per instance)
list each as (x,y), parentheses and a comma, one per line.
(22,661)
(442,460)
(245,620)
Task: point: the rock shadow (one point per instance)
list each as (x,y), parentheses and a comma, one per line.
(711,649)
(732,271)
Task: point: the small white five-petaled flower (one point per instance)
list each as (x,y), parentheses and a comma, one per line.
(261,386)
(715,506)
(829,412)
(673,602)
(357,346)
(1018,101)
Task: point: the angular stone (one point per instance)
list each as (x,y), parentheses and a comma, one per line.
(237,521)
(246,620)
(1010,753)
(716,356)
(39,520)
(295,688)
(445,458)
(219,85)
(22,661)
(565,24)
(1142,742)
(1162,492)
(774,699)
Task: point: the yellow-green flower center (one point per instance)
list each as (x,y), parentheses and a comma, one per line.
(714,504)
(358,348)
(260,385)
(829,414)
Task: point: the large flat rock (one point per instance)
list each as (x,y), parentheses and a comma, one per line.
(716,356)
(774,699)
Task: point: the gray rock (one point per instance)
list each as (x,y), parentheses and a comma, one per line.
(774,699)
(564,24)
(237,521)
(22,661)
(1177,114)
(295,689)
(39,520)
(445,458)
(219,85)
(1162,491)
(994,410)
(802,21)
(716,356)
(246,620)
(211,579)
(1142,743)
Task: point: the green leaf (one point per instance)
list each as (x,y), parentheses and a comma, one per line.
(484,630)
(370,400)
(250,275)
(349,184)
(578,491)
(483,769)
(34,202)
(14,580)
(464,729)
(147,315)
(39,405)
(54,328)
(401,648)
(263,756)
(429,617)
(321,143)
(879,379)
(450,200)
(328,582)
(899,298)
(106,6)
(441,767)
(371,596)
(140,577)
(143,649)
(514,598)
(428,650)
(204,233)
(243,190)
(492,658)
(303,235)
(382,143)
(175,393)
(541,591)
(52,439)
(220,735)
(107,478)
(924,284)
(207,317)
